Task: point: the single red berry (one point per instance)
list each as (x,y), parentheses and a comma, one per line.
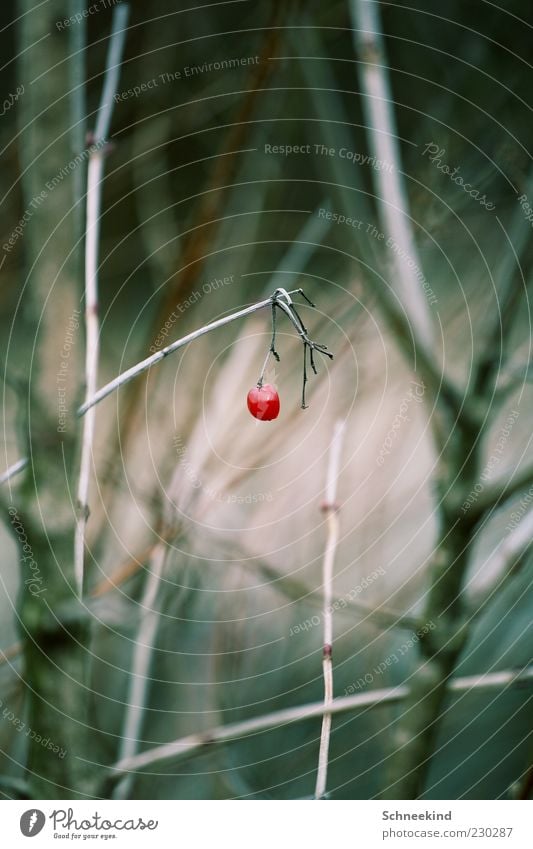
(263,402)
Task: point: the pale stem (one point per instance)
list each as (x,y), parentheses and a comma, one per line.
(139,679)
(330,507)
(185,747)
(150,361)
(92,239)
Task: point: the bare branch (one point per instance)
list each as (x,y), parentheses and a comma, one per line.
(112,72)
(331,509)
(180,750)
(11,652)
(509,279)
(389,186)
(517,372)
(381,617)
(406,304)
(92,327)
(150,361)
(515,545)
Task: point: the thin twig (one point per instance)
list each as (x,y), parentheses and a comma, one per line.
(330,507)
(405,305)
(13,470)
(498,493)
(185,747)
(272,350)
(142,656)
(518,372)
(147,363)
(389,186)
(410,319)
(92,329)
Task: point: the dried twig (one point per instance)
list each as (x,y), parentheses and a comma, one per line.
(389,186)
(411,321)
(405,305)
(496,494)
(507,559)
(155,358)
(180,750)
(330,508)
(92,328)
(142,656)
(147,363)
(509,279)
(150,361)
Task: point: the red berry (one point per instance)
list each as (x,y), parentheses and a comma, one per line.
(263,402)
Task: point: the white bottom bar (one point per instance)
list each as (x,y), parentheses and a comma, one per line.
(268,824)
